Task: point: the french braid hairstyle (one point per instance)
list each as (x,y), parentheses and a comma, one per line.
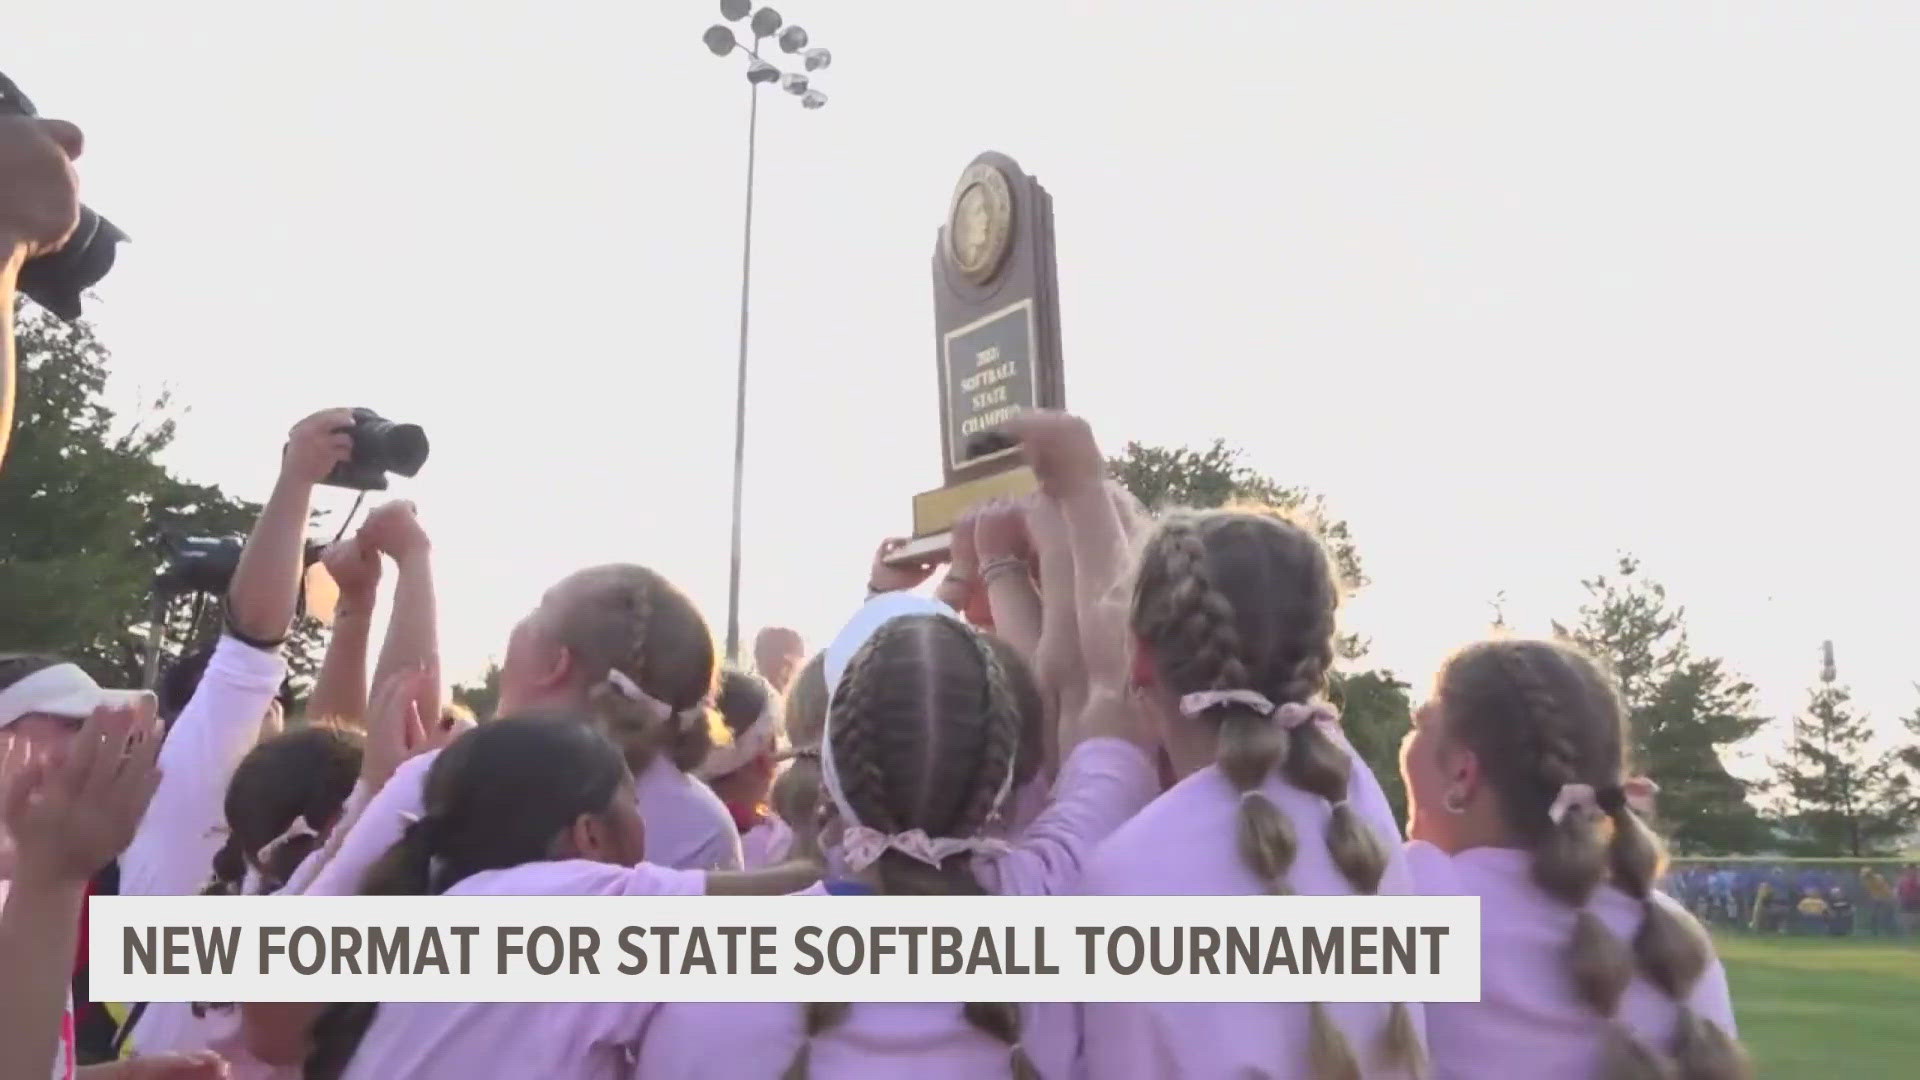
(500,795)
(630,619)
(303,775)
(926,732)
(1540,715)
(796,791)
(1244,599)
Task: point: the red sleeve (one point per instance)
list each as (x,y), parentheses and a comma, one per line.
(80,952)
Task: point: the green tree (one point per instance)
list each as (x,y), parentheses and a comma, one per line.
(1835,794)
(483,697)
(1685,709)
(1910,754)
(1375,713)
(85,513)
(1374,708)
(1163,479)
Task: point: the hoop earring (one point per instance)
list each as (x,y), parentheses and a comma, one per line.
(1453,802)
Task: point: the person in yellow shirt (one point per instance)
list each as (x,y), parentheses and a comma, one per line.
(1880,902)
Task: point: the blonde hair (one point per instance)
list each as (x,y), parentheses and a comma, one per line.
(1245,599)
(1540,715)
(926,730)
(796,791)
(630,619)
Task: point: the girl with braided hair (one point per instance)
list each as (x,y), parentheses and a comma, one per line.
(618,645)
(919,757)
(1232,616)
(1519,793)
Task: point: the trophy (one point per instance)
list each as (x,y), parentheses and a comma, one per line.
(997,343)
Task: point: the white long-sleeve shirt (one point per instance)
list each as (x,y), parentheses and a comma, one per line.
(172,851)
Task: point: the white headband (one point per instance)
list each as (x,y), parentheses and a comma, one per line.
(758,739)
(866,622)
(630,690)
(860,846)
(61,690)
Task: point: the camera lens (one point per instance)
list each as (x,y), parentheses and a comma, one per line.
(56,280)
(400,448)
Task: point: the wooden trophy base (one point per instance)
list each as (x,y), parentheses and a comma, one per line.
(935,512)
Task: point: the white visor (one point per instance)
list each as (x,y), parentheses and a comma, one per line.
(866,622)
(61,690)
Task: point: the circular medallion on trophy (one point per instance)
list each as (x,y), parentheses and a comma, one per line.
(980,224)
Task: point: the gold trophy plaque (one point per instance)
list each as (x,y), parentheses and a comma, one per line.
(997,342)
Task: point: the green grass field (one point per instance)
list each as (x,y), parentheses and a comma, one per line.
(1839,1008)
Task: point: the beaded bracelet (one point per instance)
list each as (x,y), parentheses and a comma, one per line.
(1003,564)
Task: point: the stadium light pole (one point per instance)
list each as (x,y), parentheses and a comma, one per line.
(762,24)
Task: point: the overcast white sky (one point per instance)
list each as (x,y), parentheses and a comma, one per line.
(1514,286)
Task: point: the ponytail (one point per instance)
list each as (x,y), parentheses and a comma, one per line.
(1672,949)
(1238,611)
(1550,728)
(229,869)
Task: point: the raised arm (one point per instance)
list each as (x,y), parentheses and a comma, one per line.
(340,691)
(172,853)
(1058,664)
(1063,454)
(413,634)
(1006,573)
(883,577)
(39,206)
(266,584)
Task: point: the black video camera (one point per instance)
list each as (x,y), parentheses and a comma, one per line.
(55,281)
(205,564)
(380,446)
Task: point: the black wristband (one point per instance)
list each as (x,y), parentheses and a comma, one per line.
(244,638)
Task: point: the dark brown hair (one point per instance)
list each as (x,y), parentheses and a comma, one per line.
(1540,715)
(628,618)
(1244,599)
(305,774)
(496,797)
(926,733)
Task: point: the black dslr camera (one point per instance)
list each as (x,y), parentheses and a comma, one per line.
(380,446)
(55,281)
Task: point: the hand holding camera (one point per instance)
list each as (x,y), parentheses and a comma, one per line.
(317,446)
(39,193)
(67,247)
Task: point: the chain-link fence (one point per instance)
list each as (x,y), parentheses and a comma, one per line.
(1835,897)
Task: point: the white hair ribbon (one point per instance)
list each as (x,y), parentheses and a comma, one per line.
(729,757)
(627,688)
(861,847)
(1291,715)
(1192,705)
(293,832)
(1636,794)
